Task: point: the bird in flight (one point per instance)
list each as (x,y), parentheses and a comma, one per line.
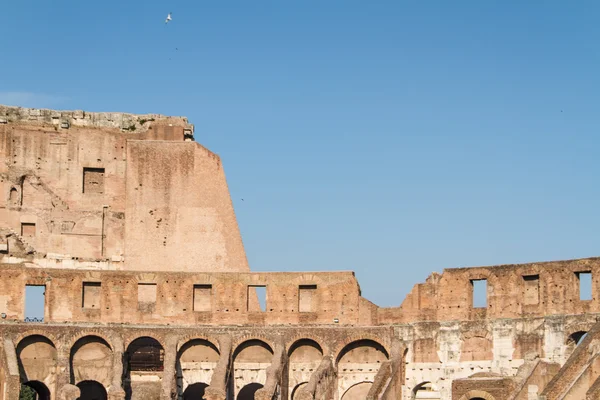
(169,18)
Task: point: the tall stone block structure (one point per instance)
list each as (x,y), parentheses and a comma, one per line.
(121,227)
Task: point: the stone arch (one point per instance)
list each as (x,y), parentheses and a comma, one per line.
(305,343)
(425,390)
(196,361)
(575,328)
(35,332)
(91,359)
(358,391)
(304,358)
(250,362)
(184,340)
(325,347)
(359,362)
(477,394)
(362,337)
(240,341)
(92,390)
(248,391)
(108,340)
(370,345)
(145,354)
(37,357)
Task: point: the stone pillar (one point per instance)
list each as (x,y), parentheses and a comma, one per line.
(116,391)
(64,389)
(218,384)
(168,383)
(69,392)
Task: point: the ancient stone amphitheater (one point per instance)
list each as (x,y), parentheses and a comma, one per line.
(127,226)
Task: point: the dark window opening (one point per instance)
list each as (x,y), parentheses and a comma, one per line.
(145,354)
(93,180)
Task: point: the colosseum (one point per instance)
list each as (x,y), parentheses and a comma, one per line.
(125,223)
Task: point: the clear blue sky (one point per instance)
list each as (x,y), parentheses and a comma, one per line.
(390,138)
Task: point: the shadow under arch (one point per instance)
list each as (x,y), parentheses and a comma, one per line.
(304,342)
(368,343)
(92,390)
(195,391)
(248,391)
(42,391)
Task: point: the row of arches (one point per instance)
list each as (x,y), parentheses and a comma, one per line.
(92,366)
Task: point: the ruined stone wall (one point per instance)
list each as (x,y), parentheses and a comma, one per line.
(182,298)
(513,291)
(125,188)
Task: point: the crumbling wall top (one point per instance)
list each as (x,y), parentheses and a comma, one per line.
(79,118)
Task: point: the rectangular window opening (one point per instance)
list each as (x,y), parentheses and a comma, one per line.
(28,229)
(35,301)
(91,295)
(306,298)
(93,180)
(146,293)
(585,285)
(257,298)
(531,294)
(479,293)
(203,298)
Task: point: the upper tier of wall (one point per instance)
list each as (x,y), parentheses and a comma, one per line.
(513,291)
(128,188)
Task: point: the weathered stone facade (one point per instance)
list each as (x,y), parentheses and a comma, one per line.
(127,224)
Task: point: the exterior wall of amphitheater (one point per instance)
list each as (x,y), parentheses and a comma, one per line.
(128,225)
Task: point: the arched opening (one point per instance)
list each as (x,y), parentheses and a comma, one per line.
(91,390)
(304,358)
(357,366)
(37,360)
(358,391)
(363,351)
(425,390)
(573,341)
(14,197)
(144,365)
(576,338)
(34,390)
(250,362)
(145,354)
(91,360)
(297,389)
(248,391)
(195,391)
(196,361)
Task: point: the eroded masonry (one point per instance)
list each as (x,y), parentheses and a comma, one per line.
(124,226)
